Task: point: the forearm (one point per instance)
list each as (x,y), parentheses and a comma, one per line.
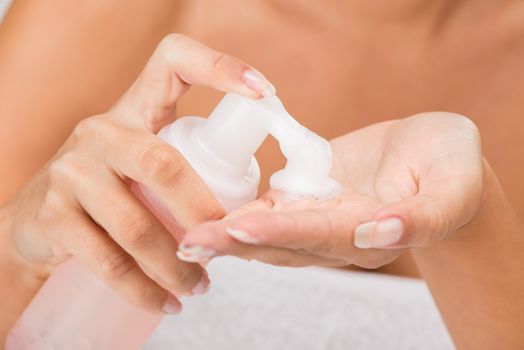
(476,276)
(18,283)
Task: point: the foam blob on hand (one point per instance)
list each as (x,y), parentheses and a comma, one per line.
(309,159)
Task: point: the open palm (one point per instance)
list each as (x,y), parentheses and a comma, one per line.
(407,183)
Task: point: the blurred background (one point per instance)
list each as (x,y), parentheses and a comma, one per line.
(332,100)
(3,7)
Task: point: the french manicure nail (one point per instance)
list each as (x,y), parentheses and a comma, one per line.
(257,82)
(242,236)
(194,253)
(202,286)
(377,234)
(172,306)
(363,234)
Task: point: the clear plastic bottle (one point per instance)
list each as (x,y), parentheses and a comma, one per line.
(74,309)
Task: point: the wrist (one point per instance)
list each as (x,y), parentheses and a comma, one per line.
(18,280)
(11,262)
(493,217)
(493,211)
(475,274)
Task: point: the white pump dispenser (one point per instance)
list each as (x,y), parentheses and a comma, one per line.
(221,148)
(75,310)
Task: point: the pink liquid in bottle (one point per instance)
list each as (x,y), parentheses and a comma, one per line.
(75,310)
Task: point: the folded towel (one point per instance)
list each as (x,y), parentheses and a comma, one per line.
(255,306)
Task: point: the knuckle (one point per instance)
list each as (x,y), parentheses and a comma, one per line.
(458,123)
(64,169)
(459,119)
(171,44)
(185,279)
(137,231)
(464,123)
(116,265)
(468,126)
(174,39)
(57,171)
(221,61)
(54,206)
(87,128)
(160,163)
(223,64)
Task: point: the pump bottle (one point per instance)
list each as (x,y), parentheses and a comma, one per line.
(74,309)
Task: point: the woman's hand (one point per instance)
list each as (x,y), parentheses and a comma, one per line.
(80,204)
(417,183)
(407,183)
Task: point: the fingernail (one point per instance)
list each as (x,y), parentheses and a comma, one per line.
(194,253)
(172,306)
(377,234)
(257,82)
(202,286)
(242,236)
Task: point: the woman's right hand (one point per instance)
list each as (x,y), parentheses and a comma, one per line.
(80,204)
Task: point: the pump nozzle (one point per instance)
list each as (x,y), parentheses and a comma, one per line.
(221,148)
(235,130)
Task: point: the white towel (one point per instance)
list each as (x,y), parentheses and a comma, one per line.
(254,306)
(4,4)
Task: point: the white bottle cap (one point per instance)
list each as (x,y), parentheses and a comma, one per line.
(235,130)
(221,149)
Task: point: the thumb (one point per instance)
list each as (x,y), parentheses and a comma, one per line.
(420,220)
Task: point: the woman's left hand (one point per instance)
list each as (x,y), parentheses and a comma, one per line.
(407,183)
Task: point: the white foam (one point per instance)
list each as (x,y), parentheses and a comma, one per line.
(309,158)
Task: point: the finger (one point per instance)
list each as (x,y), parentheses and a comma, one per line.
(165,172)
(319,232)
(91,245)
(177,63)
(418,221)
(152,162)
(218,243)
(140,234)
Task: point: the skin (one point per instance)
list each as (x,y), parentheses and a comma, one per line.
(407,54)
(428,173)
(400,175)
(62,211)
